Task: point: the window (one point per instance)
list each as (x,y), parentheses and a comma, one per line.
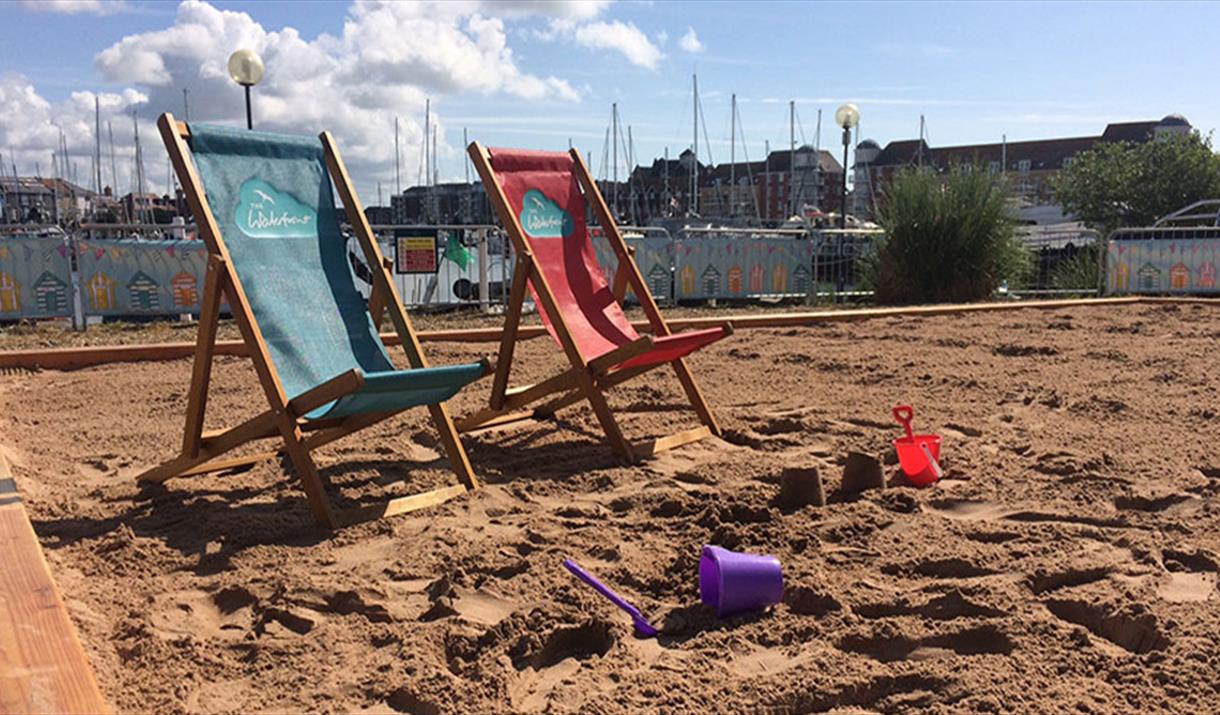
(1067,162)
(994,167)
(1023,166)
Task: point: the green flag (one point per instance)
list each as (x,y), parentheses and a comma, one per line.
(456,252)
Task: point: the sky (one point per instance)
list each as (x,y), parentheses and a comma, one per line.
(537,74)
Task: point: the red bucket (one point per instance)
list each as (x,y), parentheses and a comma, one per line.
(918,454)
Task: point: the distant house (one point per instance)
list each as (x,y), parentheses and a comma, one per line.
(1179,276)
(100,289)
(735,282)
(51,294)
(1029,166)
(1122,276)
(1149,277)
(779,278)
(185,289)
(711,280)
(757,274)
(1207,275)
(658,281)
(687,280)
(800,279)
(10,294)
(142,292)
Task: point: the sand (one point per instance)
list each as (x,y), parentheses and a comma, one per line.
(1067,562)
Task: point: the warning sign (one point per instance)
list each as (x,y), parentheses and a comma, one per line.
(415,253)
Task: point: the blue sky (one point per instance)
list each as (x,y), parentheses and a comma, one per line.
(975,71)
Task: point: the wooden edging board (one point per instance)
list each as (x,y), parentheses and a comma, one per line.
(43,668)
(73,358)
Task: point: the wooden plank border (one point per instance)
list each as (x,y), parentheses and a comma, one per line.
(74,358)
(43,668)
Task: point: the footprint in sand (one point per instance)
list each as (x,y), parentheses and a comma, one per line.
(1192,576)
(1130,629)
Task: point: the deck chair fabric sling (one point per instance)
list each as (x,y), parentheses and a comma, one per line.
(542,199)
(265,208)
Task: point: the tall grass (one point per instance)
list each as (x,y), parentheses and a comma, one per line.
(949,237)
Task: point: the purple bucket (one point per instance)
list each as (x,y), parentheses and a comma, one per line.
(733,582)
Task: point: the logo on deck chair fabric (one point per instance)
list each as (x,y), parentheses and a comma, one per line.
(266,212)
(543,218)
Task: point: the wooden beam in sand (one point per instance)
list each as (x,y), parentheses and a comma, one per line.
(43,668)
(73,358)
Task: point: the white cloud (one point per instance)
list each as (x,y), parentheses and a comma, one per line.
(565,9)
(75,7)
(30,127)
(384,62)
(622,37)
(690,42)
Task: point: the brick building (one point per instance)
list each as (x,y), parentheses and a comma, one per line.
(1029,166)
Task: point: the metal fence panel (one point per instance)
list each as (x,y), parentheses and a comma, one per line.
(1162,266)
(735,267)
(35,278)
(141,277)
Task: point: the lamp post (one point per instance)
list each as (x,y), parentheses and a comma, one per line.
(846,116)
(246,69)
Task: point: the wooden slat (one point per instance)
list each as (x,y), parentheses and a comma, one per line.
(677,439)
(201,369)
(43,668)
(401,505)
(75,358)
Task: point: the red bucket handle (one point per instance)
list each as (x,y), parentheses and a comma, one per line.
(904,414)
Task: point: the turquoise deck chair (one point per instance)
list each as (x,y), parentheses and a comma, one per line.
(265,208)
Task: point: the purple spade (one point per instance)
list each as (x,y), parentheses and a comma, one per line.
(642,627)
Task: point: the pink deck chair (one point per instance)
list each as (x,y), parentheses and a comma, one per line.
(542,199)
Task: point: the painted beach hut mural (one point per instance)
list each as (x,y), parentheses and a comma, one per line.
(710,280)
(1122,276)
(658,281)
(779,278)
(800,279)
(10,294)
(1179,276)
(142,292)
(100,289)
(687,280)
(184,288)
(50,294)
(1149,277)
(1207,275)
(735,283)
(757,272)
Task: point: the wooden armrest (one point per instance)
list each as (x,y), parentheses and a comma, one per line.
(622,354)
(331,390)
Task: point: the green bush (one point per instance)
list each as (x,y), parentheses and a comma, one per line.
(949,237)
(1080,272)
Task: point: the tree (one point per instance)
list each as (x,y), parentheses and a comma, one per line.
(949,237)
(1122,184)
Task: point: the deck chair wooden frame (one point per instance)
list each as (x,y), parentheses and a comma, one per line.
(202,451)
(585,379)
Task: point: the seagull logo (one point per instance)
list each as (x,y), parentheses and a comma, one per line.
(265,196)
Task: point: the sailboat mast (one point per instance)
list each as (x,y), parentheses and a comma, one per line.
(817,159)
(614,157)
(694,182)
(397,167)
(427,134)
(733,157)
(792,158)
(97,141)
(766,184)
